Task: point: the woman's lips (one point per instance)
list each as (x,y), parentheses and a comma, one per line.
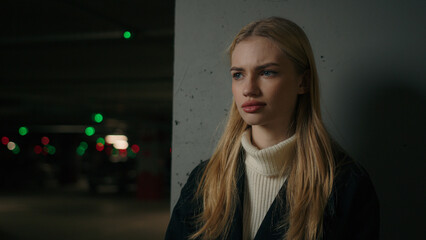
(252,106)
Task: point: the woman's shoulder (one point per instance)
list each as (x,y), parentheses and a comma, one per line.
(183,220)
(352,184)
(190,188)
(353,208)
(349,171)
(196,173)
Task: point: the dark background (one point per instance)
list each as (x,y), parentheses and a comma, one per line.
(61,62)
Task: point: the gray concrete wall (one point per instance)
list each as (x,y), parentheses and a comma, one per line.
(370,58)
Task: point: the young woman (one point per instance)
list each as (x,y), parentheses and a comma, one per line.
(275,173)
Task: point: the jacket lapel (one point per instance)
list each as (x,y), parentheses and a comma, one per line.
(268,228)
(237,224)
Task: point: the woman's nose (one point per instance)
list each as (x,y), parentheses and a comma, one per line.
(251,88)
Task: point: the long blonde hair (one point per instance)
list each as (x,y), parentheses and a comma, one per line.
(309,176)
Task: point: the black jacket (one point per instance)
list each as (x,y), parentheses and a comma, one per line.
(352,211)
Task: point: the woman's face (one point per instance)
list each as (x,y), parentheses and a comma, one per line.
(265,83)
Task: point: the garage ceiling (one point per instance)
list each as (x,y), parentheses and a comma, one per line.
(62,60)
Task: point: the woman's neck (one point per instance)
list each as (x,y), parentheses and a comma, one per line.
(263,137)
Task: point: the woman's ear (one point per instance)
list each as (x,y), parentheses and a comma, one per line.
(304,82)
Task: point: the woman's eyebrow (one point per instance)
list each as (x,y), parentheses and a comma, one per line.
(267,65)
(236,69)
(263,66)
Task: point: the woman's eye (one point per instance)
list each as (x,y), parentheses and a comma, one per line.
(268,73)
(237,75)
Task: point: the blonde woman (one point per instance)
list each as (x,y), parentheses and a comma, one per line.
(275,173)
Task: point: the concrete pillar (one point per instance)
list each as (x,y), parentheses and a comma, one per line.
(370,58)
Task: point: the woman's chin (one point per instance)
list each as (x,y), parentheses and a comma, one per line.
(252,122)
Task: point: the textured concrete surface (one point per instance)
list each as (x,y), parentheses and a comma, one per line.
(81,216)
(370,61)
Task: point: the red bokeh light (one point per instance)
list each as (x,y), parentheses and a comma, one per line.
(45,151)
(135,148)
(99,147)
(37,149)
(108,150)
(123,152)
(45,140)
(4,140)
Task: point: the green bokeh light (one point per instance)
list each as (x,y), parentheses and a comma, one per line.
(51,149)
(131,154)
(84,145)
(23,131)
(80,151)
(90,131)
(101,140)
(115,152)
(127,34)
(98,118)
(16,150)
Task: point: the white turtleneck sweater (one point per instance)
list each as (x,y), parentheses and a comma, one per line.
(263,180)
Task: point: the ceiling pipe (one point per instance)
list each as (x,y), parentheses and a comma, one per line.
(64,37)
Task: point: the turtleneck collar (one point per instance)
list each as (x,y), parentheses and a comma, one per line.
(267,161)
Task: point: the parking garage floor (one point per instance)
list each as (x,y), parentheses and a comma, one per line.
(79,215)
